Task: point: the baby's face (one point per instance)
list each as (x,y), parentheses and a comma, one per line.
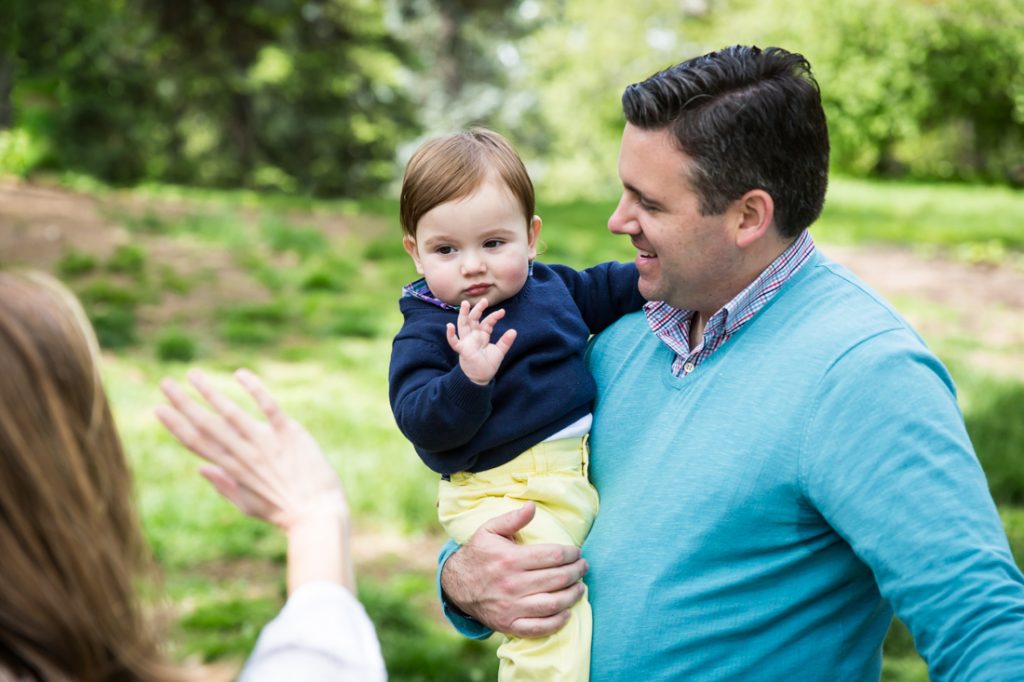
(476,247)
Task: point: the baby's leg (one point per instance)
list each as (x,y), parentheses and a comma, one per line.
(566,506)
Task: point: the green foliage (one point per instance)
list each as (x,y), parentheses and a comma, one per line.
(287,96)
(227,627)
(255,324)
(923,88)
(76,263)
(111,308)
(127,259)
(175,345)
(977,223)
(996,425)
(414,649)
(282,236)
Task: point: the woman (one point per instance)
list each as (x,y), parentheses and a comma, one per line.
(71,550)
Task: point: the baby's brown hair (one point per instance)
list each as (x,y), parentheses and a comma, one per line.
(452,167)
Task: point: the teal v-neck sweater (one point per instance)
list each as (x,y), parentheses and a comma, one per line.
(763,516)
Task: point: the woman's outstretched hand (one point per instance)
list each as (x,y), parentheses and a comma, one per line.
(272,470)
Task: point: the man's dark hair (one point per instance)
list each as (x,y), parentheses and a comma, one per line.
(749,119)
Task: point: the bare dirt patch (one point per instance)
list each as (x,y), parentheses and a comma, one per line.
(39,224)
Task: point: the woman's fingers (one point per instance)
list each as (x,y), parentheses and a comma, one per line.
(182,429)
(215,439)
(277,417)
(239,420)
(224,484)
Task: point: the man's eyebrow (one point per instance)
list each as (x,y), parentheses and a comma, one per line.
(640,195)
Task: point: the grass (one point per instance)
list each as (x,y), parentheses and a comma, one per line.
(317,323)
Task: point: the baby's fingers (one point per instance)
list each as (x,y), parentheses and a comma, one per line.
(464,322)
(453,340)
(477,312)
(488,322)
(505,342)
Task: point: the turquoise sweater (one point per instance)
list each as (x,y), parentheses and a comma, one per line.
(762,517)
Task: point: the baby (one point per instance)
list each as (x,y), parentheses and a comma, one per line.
(503,421)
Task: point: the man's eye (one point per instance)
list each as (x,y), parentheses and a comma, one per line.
(493,243)
(646,206)
(445,250)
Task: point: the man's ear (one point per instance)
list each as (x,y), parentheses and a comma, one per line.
(755,216)
(410,248)
(533,232)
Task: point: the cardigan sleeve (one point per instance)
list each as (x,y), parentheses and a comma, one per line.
(603,293)
(435,404)
(888,463)
(321,635)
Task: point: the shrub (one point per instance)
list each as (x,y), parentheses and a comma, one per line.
(115,325)
(283,236)
(255,324)
(76,263)
(996,425)
(127,259)
(175,345)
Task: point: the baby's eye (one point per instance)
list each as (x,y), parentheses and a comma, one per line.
(493,243)
(445,250)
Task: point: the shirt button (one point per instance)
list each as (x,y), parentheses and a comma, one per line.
(688,367)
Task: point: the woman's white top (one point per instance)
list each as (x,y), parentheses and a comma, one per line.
(321,634)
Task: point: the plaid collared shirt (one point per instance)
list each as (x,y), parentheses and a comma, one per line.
(672,325)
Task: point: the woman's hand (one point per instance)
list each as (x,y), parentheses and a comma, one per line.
(272,470)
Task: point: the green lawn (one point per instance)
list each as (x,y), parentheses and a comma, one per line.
(316,321)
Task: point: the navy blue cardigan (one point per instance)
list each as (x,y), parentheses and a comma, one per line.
(542,385)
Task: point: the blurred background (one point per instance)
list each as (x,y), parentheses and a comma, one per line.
(216,179)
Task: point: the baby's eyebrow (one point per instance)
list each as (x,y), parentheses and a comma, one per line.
(435,241)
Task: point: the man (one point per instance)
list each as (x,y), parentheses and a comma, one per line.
(780,459)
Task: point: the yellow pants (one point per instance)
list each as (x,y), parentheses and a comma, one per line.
(554,475)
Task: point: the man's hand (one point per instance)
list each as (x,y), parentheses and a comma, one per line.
(520,590)
(478,357)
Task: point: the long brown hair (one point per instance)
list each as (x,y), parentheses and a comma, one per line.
(71,549)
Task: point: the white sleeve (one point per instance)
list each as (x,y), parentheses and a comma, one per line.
(321,634)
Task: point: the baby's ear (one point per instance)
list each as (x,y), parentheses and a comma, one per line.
(410,248)
(533,233)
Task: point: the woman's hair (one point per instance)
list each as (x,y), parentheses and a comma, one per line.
(71,550)
(454,166)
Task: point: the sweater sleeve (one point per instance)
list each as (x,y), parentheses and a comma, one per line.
(435,404)
(322,634)
(603,293)
(888,463)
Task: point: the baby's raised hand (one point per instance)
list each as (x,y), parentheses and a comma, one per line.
(478,357)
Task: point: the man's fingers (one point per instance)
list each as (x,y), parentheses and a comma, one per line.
(559,578)
(510,523)
(538,627)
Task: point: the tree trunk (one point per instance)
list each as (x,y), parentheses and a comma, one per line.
(6,88)
(448,53)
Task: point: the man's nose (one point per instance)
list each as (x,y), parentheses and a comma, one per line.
(622,220)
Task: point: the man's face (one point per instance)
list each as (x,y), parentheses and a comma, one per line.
(685,259)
